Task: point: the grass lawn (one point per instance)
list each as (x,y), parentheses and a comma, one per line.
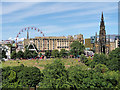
(41,63)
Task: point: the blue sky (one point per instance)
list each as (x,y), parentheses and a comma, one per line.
(58,19)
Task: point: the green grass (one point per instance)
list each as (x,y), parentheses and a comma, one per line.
(41,63)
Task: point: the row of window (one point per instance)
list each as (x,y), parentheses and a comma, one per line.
(63,47)
(49,39)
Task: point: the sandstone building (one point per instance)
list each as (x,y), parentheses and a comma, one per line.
(52,43)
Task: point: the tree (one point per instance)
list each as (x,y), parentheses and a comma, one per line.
(81,79)
(83,58)
(40,54)
(13,55)
(4,54)
(112,79)
(114,59)
(63,53)
(29,76)
(20,54)
(20,77)
(55,53)
(26,47)
(101,68)
(100,58)
(28,54)
(77,48)
(9,77)
(48,53)
(55,76)
(34,54)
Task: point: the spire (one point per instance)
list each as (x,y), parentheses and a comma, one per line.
(102,20)
(96,37)
(27,34)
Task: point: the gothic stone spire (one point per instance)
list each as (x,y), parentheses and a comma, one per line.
(102,21)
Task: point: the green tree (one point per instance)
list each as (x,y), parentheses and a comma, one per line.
(114,59)
(48,53)
(27,54)
(20,77)
(81,79)
(34,54)
(29,76)
(40,54)
(26,47)
(100,58)
(112,79)
(101,68)
(9,78)
(55,76)
(13,55)
(83,58)
(55,53)
(4,54)
(77,48)
(20,54)
(63,53)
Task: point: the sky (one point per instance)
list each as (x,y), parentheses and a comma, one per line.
(57,18)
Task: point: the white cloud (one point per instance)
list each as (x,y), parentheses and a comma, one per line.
(18,39)
(89,12)
(41,10)
(12,7)
(53,8)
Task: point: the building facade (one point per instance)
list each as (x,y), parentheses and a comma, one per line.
(117,41)
(102,45)
(52,43)
(88,44)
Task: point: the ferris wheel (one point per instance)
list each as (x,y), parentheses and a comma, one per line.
(27,29)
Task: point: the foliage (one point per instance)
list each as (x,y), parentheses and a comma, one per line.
(40,54)
(55,76)
(9,78)
(83,58)
(77,48)
(91,63)
(13,55)
(29,76)
(20,76)
(4,54)
(55,53)
(100,58)
(48,53)
(63,53)
(34,54)
(101,68)
(81,79)
(111,78)
(20,54)
(26,47)
(114,59)
(115,53)
(27,54)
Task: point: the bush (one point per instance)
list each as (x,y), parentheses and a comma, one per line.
(83,58)
(55,76)
(20,76)
(101,68)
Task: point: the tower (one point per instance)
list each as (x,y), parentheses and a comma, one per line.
(102,36)
(27,34)
(102,46)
